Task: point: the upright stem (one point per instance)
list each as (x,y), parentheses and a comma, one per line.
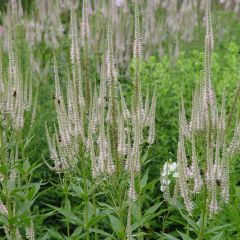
(95,212)
(139,203)
(202,230)
(85,198)
(86,73)
(120,195)
(66,198)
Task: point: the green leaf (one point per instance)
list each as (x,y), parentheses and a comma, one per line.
(90,211)
(142,221)
(95,230)
(45,237)
(55,234)
(116,224)
(140,234)
(33,191)
(153,208)
(68,205)
(150,185)
(107,207)
(144,180)
(82,236)
(77,232)
(219,236)
(4,169)
(216,229)
(169,237)
(135,212)
(26,165)
(68,215)
(184,236)
(24,207)
(191,222)
(33,167)
(3,219)
(78,189)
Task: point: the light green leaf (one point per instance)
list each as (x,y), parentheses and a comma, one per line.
(169,237)
(77,232)
(66,214)
(219,236)
(143,220)
(95,230)
(191,222)
(55,234)
(24,207)
(144,180)
(217,228)
(184,236)
(116,224)
(68,205)
(33,191)
(153,208)
(90,211)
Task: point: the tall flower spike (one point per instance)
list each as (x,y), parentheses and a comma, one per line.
(111,77)
(129,223)
(122,149)
(52,150)
(209,101)
(129,153)
(103,85)
(131,192)
(137,55)
(126,112)
(183,121)
(75,58)
(110,163)
(194,124)
(137,45)
(225,175)
(11,76)
(152,113)
(136,142)
(58,95)
(146,113)
(182,170)
(195,169)
(85,42)
(16,103)
(208,130)
(2,86)
(103,145)
(84,23)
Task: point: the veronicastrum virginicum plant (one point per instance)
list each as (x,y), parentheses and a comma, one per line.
(97,135)
(17,194)
(203,156)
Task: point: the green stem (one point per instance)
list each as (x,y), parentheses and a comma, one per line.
(85,198)
(120,200)
(203,224)
(95,212)
(139,203)
(66,198)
